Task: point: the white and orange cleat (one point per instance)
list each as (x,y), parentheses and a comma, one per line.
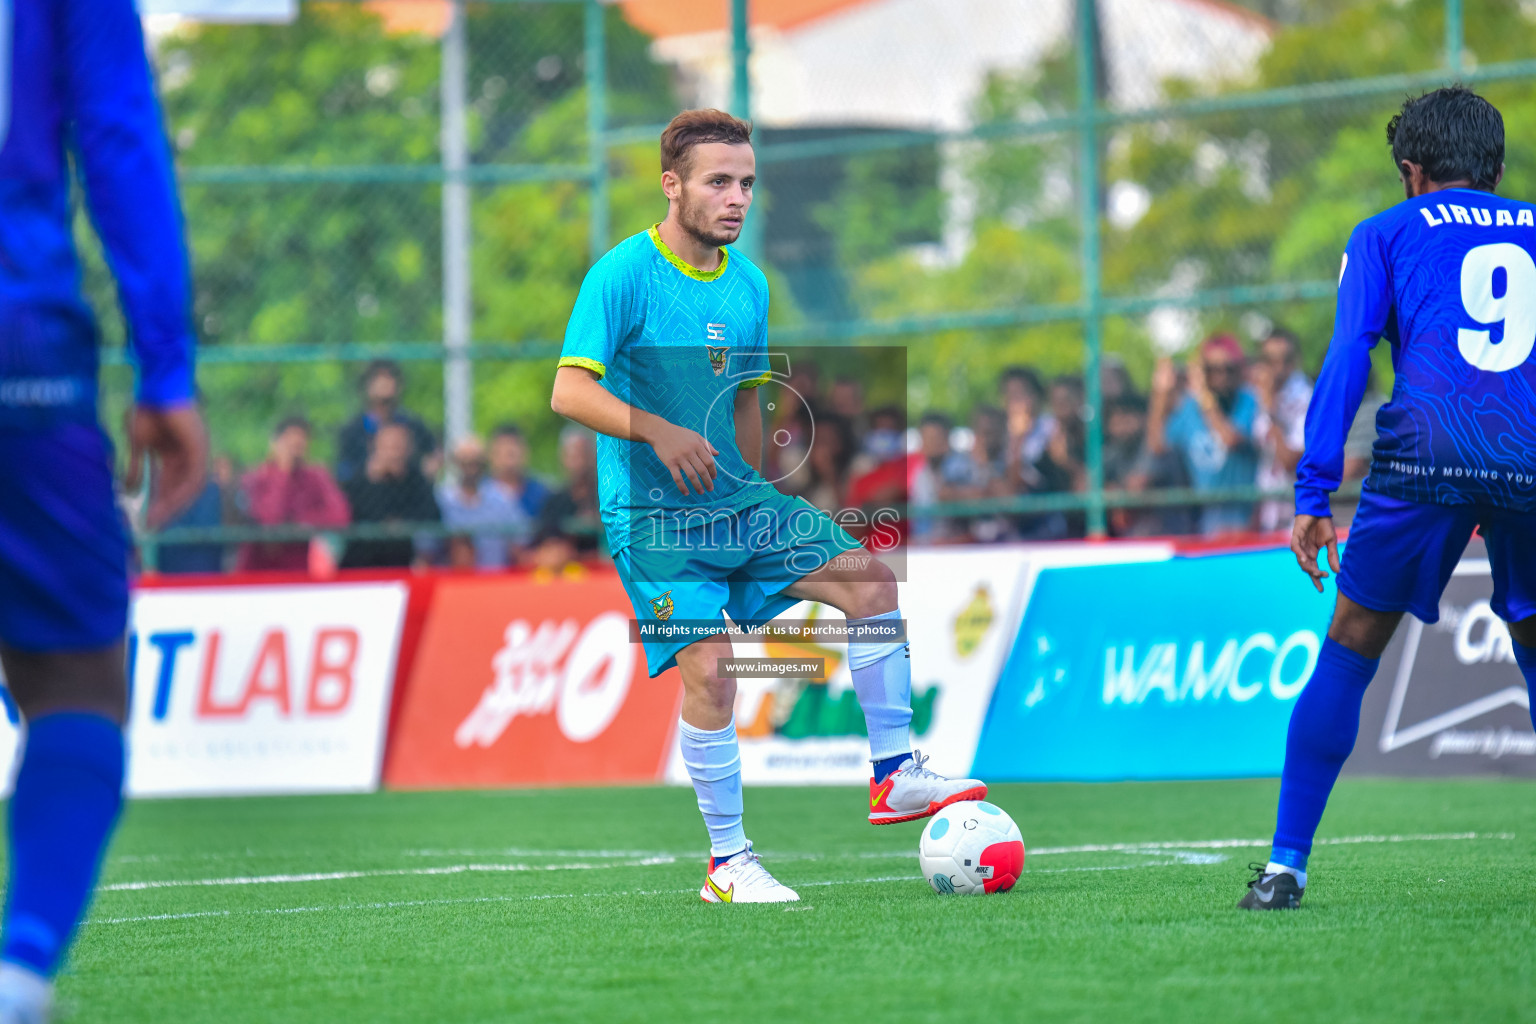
(743,879)
(912,791)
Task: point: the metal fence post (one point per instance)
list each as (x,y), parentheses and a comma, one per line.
(458,374)
(597,128)
(1454,42)
(751,238)
(1088,199)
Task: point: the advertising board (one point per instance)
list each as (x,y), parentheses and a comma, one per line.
(1185,668)
(1449,698)
(257,689)
(518,682)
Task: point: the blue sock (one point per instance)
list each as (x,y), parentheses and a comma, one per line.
(67,798)
(886,765)
(1324,724)
(1525,657)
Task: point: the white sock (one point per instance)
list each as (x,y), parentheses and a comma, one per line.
(714,765)
(1275,869)
(22,986)
(882,679)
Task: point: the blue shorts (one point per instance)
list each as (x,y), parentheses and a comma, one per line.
(1401,554)
(63,545)
(739,563)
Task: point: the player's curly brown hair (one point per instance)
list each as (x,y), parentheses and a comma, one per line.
(696,128)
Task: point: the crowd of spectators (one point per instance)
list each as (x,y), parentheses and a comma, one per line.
(492,511)
(1223,421)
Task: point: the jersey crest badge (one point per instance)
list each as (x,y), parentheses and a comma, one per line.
(717,357)
(662,606)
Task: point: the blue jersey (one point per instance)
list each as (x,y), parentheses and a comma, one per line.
(1449,279)
(677,342)
(73,76)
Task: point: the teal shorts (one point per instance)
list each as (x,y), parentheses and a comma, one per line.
(738,563)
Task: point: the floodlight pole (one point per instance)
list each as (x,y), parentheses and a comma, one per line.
(1454,43)
(597,130)
(1089,214)
(741,105)
(458,372)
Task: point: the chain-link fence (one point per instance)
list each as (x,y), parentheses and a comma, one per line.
(1050,203)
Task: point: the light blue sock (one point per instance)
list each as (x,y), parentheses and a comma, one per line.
(714,764)
(882,680)
(68,795)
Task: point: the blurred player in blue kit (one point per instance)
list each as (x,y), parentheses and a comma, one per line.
(663,354)
(74,80)
(1448,278)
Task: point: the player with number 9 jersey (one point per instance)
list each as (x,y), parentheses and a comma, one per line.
(1448,278)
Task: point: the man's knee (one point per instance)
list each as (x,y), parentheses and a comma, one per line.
(91,681)
(1361,629)
(870,590)
(700,667)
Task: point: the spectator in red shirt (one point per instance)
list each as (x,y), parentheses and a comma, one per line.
(286,490)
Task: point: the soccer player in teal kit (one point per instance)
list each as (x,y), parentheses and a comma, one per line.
(663,353)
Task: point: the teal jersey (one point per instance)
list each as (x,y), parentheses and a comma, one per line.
(677,342)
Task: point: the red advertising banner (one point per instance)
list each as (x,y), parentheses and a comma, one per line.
(518,682)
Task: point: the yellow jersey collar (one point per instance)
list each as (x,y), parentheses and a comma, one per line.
(682,264)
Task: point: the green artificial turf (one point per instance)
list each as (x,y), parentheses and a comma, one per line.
(600,920)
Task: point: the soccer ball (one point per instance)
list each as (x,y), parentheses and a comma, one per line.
(971,847)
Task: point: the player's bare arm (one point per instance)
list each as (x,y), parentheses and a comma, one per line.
(749,427)
(687,454)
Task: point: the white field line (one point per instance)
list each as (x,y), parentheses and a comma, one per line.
(394,904)
(666,859)
(1228,844)
(333,876)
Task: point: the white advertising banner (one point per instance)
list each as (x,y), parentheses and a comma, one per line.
(962,607)
(258,689)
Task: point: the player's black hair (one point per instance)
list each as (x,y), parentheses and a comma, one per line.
(287,423)
(1453,133)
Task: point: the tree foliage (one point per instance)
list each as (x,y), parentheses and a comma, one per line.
(1231,199)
